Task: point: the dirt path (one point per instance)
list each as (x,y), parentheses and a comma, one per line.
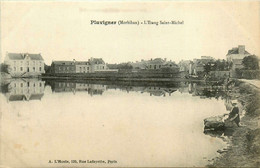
(244,146)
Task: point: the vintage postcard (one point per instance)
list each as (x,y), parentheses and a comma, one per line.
(129,84)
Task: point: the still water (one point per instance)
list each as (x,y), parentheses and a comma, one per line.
(137,124)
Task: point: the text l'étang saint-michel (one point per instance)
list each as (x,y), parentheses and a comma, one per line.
(137,22)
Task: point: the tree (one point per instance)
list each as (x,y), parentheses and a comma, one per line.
(210,66)
(251,62)
(4,68)
(120,66)
(47,68)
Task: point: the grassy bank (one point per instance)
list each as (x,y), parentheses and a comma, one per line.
(244,147)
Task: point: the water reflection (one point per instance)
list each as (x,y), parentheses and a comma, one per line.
(24,90)
(33,89)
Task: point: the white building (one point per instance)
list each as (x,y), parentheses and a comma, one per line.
(24,64)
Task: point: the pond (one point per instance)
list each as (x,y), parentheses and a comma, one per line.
(131,124)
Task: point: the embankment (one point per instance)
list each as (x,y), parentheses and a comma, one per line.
(144,76)
(244,147)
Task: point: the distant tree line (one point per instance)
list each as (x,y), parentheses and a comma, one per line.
(218,65)
(120,66)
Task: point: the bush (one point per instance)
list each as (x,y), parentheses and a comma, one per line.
(4,68)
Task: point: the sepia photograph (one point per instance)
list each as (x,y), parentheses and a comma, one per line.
(129,84)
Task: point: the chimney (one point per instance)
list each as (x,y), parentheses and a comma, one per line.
(151,59)
(74,60)
(165,59)
(241,49)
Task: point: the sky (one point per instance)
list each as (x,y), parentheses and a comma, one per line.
(62,30)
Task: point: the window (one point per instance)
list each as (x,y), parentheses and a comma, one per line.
(27,62)
(154,66)
(34,69)
(150,66)
(103,67)
(21,68)
(87,68)
(40,69)
(14,68)
(159,66)
(21,84)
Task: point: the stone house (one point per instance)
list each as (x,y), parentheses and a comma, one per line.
(90,66)
(24,64)
(236,55)
(156,63)
(97,64)
(170,64)
(83,67)
(63,67)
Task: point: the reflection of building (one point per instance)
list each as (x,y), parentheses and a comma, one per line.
(236,55)
(24,64)
(25,89)
(159,91)
(92,89)
(63,87)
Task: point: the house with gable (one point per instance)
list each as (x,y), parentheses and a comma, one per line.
(24,64)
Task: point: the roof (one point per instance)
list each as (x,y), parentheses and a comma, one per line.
(170,63)
(235,51)
(36,96)
(156,61)
(21,56)
(96,61)
(63,62)
(17,97)
(82,63)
